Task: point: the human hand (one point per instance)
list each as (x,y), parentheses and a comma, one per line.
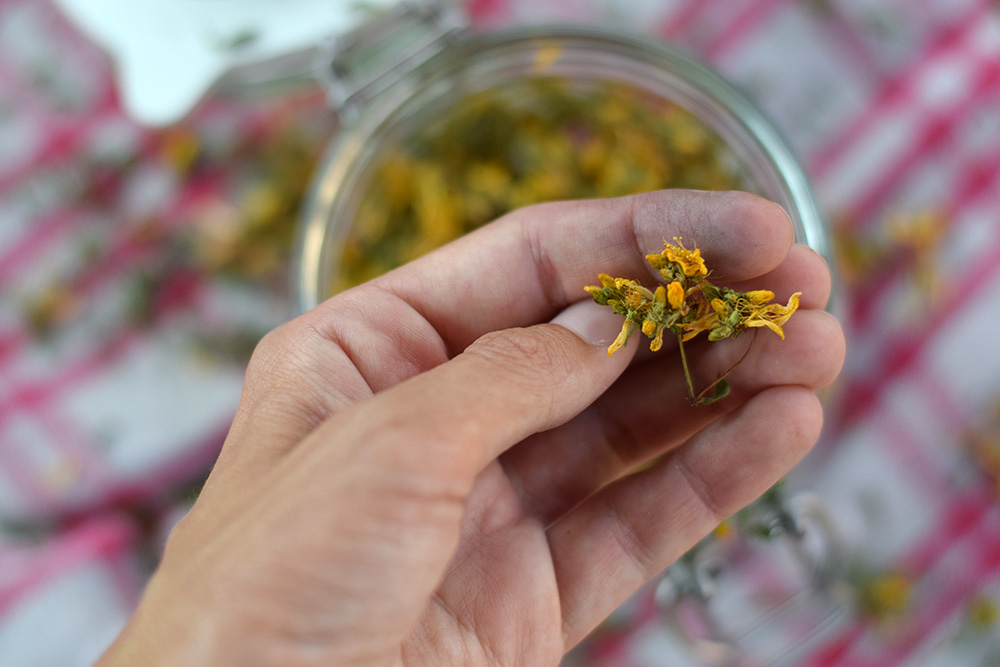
(438,467)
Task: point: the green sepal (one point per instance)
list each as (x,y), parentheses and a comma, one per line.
(721,332)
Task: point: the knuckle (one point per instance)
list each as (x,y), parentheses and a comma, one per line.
(534,363)
(527,352)
(270,349)
(285,352)
(282,367)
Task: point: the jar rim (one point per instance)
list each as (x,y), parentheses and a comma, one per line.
(698,82)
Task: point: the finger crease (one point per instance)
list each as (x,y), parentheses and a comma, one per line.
(440,340)
(545,270)
(630,540)
(613,432)
(333,338)
(701,490)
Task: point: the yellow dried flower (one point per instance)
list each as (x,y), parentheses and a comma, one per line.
(886,596)
(509,146)
(723,530)
(706,320)
(773,316)
(687,305)
(983,612)
(690,260)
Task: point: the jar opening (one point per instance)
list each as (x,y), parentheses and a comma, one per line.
(508,119)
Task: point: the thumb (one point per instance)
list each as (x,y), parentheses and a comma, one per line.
(377,493)
(504,387)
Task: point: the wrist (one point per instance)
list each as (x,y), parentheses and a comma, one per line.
(163,631)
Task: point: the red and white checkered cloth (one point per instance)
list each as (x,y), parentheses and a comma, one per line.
(893,107)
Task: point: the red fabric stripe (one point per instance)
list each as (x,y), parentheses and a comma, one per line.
(64,138)
(741,27)
(923,148)
(977,184)
(951,413)
(979,179)
(968,519)
(897,440)
(10,342)
(834,652)
(33,242)
(19,474)
(896,91)
(34,395)
(681,19)
(961,520)
(861,395)
(104,539)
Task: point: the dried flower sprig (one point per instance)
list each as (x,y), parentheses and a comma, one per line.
(686,305)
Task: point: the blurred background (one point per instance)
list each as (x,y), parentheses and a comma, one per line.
(145,244)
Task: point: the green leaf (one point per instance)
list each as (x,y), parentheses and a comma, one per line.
(722,390)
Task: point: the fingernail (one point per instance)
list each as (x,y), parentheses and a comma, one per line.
(596,324)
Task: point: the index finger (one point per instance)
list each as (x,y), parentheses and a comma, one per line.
(527,266)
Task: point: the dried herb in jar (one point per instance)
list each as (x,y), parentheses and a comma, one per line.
(537,140)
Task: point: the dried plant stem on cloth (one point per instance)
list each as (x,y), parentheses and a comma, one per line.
(686,305)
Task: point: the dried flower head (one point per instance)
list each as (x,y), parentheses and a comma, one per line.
(688,305)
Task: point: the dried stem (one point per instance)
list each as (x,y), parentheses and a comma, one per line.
(724,375)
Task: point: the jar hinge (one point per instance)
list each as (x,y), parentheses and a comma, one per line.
(354,67)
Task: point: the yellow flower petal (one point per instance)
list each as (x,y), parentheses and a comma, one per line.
(675,295)
(760,296)
(619,342)
(764,322)
(657,342)
(657,261)
(773,316)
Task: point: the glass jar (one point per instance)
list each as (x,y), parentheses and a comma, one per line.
(385,109)
(767,584)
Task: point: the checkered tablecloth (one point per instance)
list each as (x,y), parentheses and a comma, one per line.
(127,311)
